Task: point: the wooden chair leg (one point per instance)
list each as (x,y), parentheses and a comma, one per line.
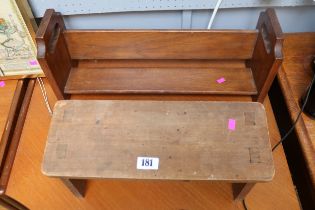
(240,190)
(11,204)
(76,186)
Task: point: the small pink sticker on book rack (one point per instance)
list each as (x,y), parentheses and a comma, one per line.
(2,83)
(33,62)
(232,124)
(221,80)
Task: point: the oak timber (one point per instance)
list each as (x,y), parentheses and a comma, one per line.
(102,139)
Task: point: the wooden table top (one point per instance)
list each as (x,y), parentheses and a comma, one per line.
(188,140)
(37,191)
(6,96)
(294,78)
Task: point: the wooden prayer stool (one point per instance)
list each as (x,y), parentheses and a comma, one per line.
(180,135)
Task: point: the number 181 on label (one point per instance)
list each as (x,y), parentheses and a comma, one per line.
(148,163)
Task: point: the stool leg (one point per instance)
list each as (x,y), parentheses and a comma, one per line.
(240,190)
(76,186)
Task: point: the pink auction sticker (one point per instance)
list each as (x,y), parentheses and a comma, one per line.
(33,62)
(232,124)
(221,80)
(2,83)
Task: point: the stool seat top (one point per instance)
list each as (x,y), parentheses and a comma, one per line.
(168,140)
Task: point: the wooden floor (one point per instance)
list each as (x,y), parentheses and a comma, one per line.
(38,192)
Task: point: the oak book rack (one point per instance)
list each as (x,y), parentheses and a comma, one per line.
(190,139)
(160,61)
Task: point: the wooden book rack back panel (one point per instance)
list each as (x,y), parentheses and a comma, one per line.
(160,61)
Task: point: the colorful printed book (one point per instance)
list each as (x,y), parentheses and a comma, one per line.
(17,49)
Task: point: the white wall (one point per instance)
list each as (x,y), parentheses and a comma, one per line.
(137,14)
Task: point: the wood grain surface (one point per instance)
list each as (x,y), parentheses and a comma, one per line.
(60,51)
(52,52)
(12,140)
(6,93)
(160,44)
(10,136)
(102,139)
(294,79)
(9,132)
(238,81)
(267,56)
(161,63)
(50,194)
